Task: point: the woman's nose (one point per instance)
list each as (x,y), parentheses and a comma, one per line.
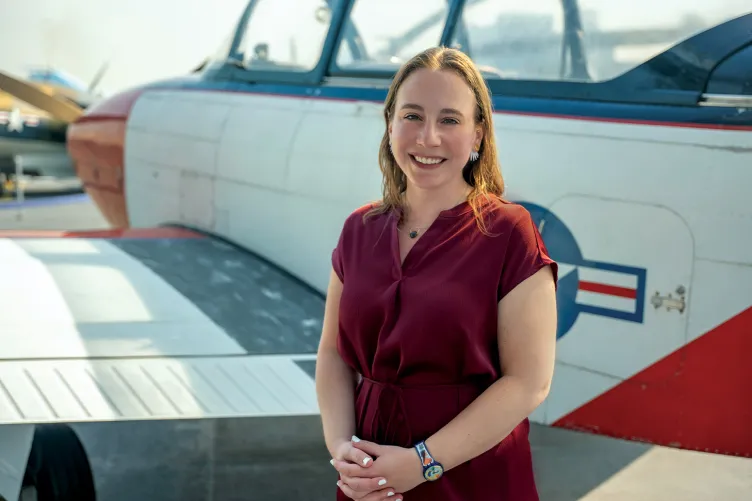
(429,136)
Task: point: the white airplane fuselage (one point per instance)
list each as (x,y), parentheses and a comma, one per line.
(648,222)
(638,184)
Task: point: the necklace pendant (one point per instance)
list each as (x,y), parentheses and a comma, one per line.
(413,234)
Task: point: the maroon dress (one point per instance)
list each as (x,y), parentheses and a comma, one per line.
(423,335)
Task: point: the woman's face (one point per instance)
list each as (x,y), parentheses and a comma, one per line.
(433,130)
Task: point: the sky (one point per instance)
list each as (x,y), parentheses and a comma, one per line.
(144,40)
(141,39)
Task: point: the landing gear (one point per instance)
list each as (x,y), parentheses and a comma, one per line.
(58,468)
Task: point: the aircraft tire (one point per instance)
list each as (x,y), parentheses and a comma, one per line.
(58,467)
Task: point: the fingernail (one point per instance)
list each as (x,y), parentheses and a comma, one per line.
(331,462)
(366,460)
(355,439)
(382,481)
(390,494)
(339,483)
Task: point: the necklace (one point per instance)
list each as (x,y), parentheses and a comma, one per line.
(415,231)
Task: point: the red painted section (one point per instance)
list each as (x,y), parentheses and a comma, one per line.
(117,106)
(611,290)
(699,397)
(96,144)
(144,233)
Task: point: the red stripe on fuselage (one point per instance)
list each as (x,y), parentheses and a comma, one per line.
(695,398)
(611,290)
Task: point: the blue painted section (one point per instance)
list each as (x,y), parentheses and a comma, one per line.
(51,201)
(46,131)
(582,109)
(641,274)
(563,248)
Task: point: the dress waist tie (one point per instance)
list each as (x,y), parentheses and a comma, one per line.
(383,409)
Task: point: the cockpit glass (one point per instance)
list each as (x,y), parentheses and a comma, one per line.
(573,40)
(382,34)
(539,39)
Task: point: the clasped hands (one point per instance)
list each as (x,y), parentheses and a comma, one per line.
(372,472)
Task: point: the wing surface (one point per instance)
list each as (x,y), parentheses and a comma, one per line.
(48,391)
(150,324)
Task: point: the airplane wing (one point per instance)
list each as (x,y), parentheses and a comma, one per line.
(150,324)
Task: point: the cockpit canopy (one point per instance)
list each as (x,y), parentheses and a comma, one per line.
(597,49)
(57,78)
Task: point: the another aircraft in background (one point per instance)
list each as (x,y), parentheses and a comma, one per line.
(31,132)
(634,161)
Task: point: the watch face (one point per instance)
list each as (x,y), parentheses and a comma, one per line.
(433,472)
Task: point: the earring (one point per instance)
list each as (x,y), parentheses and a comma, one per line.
(474,156)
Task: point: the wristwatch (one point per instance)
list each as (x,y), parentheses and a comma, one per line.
(432,469)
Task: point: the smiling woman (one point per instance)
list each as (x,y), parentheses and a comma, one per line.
(424,139)
(442,300)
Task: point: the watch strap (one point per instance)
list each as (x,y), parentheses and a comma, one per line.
(432,469)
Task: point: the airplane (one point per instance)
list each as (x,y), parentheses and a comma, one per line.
(238,177)
(31,134)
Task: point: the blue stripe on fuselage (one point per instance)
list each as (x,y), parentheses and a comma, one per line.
(677,116)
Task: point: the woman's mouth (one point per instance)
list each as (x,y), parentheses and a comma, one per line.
(427,162)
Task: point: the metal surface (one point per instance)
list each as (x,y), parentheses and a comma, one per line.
(259,306)
(731,101)
(151,328)
(67,391)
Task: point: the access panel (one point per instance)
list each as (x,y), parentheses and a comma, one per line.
(625,269)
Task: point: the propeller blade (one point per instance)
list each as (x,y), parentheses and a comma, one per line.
(61,109)
(98,77)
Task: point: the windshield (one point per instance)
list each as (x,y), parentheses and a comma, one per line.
(542,39)
(588,40)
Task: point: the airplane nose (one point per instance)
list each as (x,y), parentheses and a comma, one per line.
(96,143)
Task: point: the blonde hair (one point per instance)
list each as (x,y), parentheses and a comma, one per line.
(484,174)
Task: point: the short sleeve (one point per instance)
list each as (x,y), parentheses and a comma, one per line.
(337,258)
(525,255)
(340,253)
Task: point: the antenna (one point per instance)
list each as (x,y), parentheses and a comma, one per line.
(98,76)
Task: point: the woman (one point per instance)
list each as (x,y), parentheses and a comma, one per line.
(440,322)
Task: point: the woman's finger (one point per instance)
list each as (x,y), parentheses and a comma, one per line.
(364,485)
(349,492)
(350,469)
(382,495)
(357,456)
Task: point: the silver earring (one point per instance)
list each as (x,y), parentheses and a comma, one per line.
(474,156)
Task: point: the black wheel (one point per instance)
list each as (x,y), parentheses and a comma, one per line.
(58,466)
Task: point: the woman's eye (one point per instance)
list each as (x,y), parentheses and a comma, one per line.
(412,116)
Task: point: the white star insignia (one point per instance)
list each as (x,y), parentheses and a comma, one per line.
(15,121)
